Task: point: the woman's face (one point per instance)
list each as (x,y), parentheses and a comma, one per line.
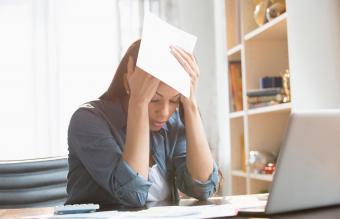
(162,106)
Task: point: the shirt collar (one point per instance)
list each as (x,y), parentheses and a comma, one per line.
(116,109)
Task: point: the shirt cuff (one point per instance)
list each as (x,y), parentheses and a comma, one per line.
(132,189)
(197,189)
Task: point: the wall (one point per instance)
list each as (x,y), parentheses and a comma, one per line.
(314,48)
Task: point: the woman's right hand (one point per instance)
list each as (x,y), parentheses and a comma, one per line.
(142,86)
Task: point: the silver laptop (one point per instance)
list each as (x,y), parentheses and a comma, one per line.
(308,167)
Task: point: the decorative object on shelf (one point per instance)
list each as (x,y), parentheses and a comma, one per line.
(257,160)
(275,9)
(286,86)
(267,10)
(273,90)
(269,168)
(260,11)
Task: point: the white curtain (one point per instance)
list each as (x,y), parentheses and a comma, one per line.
(131,13)
(54,56)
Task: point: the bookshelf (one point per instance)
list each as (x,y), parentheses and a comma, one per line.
(313,56)
(262,50)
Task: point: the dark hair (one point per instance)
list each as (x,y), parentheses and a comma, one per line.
(116,90)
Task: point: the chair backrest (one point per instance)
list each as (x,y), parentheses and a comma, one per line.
(33,183)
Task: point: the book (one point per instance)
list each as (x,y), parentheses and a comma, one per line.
(271,81)
(262,99)
(235,76)
(257,105)
(264,92)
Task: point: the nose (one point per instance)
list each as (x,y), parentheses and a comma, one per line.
(164,110)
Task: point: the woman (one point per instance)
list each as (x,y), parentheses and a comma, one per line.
(131,145)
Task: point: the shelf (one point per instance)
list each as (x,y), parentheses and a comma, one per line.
(238,173)
(263,177)
(260,51)
(234,54)
(275,29)
(235,115)
(273,108)
(234,50)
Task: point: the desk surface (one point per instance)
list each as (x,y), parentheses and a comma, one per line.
(330,212)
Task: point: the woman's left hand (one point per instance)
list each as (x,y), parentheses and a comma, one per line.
(189,64)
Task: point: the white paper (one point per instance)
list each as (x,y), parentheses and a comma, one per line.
(168,212)
(186,212)
(248,201)
(155,57)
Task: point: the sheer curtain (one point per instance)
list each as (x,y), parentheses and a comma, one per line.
(54,56)
(131,13)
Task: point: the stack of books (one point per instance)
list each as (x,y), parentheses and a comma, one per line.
(264,97)
(273,90)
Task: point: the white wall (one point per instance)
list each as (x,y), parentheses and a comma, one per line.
(314,48)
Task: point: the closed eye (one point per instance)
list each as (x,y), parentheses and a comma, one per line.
(155,101)
(175,101)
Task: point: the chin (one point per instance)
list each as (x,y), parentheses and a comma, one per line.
(154,129)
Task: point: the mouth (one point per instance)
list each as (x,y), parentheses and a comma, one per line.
(157,124)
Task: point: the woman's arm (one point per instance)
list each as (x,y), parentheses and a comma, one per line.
(199,159)
(136,150)
(142,87)
(98,147)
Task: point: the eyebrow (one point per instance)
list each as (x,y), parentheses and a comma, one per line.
(162,95)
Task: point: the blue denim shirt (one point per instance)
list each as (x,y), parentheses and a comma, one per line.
(99,174)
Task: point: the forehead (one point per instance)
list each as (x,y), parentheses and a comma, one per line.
(166,91)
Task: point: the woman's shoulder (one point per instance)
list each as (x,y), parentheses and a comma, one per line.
(101,106)
(88,109)
(99,111)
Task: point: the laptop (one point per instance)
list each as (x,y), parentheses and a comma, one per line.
(308,166)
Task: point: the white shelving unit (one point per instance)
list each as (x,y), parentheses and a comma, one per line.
(262,51)
(312,56)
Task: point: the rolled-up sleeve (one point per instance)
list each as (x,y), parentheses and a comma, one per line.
(184,181)
(96,147)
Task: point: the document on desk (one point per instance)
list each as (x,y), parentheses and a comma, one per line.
(248,201)
(183,212)
(186,212)
(154,54)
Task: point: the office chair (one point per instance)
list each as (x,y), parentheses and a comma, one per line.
(33,183)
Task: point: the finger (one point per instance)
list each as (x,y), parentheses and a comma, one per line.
(190,59)
(186,55)
(153,80)
(182,61)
